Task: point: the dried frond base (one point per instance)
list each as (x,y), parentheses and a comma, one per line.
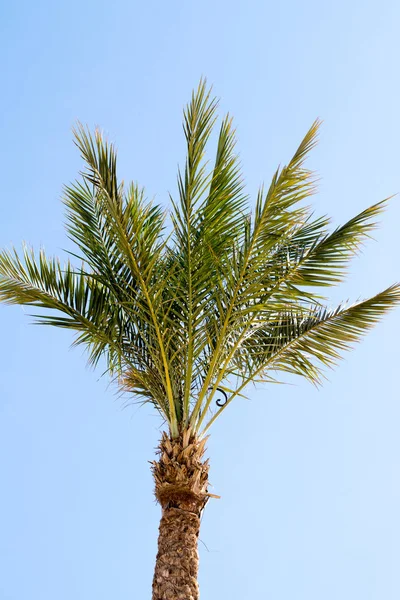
(181,474)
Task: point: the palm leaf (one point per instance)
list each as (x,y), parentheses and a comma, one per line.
(302,342)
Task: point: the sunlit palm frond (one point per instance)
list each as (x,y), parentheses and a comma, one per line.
(292,341)
(225,207)
(304,341)
(325,261)
(276,214)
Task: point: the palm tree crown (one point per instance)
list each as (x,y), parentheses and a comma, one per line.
(227,298)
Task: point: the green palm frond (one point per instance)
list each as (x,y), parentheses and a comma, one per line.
(207,220)
(276,214)
(292,341)
(324,261)
(303,341)
(228,298)
(134,229)
(87,305)
(225,207)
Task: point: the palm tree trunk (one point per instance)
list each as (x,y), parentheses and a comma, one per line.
(181,479)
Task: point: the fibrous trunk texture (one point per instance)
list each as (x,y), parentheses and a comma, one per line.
(181,479)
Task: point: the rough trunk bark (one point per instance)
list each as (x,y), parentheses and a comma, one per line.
(181,479)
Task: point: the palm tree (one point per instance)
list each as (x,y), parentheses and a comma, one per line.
(186,319)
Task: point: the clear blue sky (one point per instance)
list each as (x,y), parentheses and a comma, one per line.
(309,479)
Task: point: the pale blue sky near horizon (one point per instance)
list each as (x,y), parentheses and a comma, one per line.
(308,479)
